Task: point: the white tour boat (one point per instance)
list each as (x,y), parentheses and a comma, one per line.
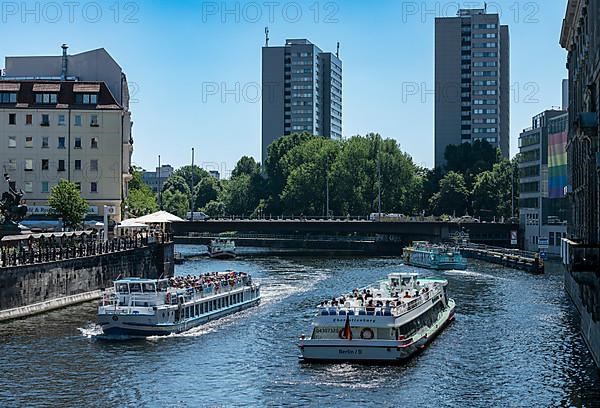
(137,308)
(389,322)
(221,249)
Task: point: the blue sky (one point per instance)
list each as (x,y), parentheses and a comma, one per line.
(175,52)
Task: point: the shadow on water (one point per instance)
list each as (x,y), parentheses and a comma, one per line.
(515,342)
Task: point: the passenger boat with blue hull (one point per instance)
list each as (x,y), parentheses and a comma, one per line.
(389,322)
(440,257)
(138,308)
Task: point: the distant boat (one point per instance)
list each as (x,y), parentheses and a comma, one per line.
(426,255)
(222,249)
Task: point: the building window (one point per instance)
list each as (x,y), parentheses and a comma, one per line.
(45,187)
(45,164)
(77,164)
(28,164)
(12,118)
(77,143)
(94,143)
(8,97)
(12,141)
(61,120)
(61,143)
(46,99)
(86,99)
(28,119)
(93,165)
(28,142)
(77,120)
(28,187)
(45,120)
(94,121)
(45,144)
(61,165)
(12,165)
(93,187)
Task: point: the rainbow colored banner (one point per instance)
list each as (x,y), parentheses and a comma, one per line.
(557,164)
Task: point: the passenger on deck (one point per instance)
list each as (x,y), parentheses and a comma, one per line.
(370,307)
(407,295)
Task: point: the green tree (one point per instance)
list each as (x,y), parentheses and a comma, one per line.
(276,179)
(214,209)
(66,202)
(140,198)
(493,190)
(239,196)
(206,190)
(177,183)
(305,169)
(246,165)
(176,202)
(141,201)
(470,159)
(186,173)
(453,197)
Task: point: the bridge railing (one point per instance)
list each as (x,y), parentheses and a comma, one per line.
(312,237)
(32,251)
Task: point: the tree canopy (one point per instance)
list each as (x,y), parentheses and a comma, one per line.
(66,202)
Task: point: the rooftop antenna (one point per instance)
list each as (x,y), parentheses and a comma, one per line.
(337,54)
(266,36)
(63,74)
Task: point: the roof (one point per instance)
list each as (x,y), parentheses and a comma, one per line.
(66,90)
(46,87)
(9,87)
(91,88)
(159,217)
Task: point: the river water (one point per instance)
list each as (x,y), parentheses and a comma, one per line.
(515,343)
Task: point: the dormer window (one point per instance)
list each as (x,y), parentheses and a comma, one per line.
(46,98)
(86,99)
(8,97)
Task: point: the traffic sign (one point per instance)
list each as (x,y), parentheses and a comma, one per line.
(543,243)
(513,238)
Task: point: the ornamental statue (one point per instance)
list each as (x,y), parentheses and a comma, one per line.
(11,209)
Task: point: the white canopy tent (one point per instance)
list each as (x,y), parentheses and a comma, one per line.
(159,217)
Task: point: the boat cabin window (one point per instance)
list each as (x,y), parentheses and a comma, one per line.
(162,286)
(122,288)
(406,281)
(149,287)
(395,282)
(135,288)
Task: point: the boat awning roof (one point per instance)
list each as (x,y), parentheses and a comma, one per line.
(132,223)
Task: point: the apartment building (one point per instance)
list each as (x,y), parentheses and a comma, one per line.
(301,92)
(60,127)
(472,81)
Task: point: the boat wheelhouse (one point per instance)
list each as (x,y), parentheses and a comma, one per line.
(137,308)
(222,249)
(389,322)
(426,255)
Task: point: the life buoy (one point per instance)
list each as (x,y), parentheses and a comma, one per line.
(367,334)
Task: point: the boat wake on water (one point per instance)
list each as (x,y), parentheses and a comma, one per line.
(90,330)
(456,272)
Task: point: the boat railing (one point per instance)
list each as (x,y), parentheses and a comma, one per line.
(390,311)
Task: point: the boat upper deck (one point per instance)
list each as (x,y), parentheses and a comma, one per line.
(398,295)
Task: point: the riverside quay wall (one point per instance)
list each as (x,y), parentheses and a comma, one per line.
(37,278)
